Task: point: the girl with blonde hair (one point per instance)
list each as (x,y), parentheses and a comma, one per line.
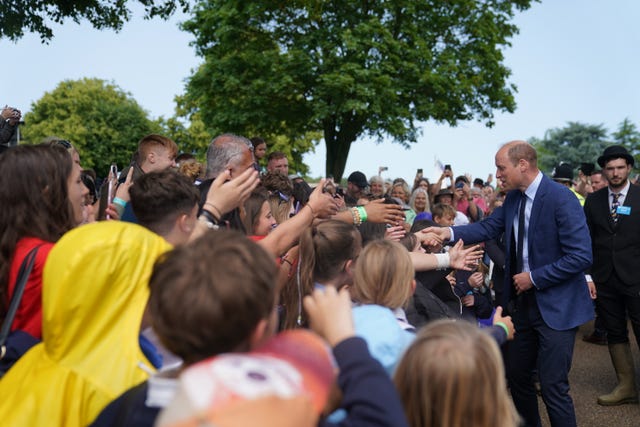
(384,276)
(452,376)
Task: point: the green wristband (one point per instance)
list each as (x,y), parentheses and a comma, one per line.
(503,326)
(363,213)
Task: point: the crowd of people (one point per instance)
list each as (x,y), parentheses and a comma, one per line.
(231,292)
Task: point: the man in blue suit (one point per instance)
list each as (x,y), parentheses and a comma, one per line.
(548,248)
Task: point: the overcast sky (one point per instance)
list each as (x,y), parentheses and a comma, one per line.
(574,60)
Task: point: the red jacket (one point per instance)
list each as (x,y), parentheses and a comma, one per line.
(29,315)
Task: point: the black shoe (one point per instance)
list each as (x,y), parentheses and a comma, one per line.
(595,339)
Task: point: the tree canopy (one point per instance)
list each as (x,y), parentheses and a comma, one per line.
(18,16)
(578,143)
(195,137)
(101,120)
(628,135)
(350,68)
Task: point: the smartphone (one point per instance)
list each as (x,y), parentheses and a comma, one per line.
(112,180)
(419,171)
(447,167)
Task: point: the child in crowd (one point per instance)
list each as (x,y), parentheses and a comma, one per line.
(94,292)
(452,375)
(218,295)
(384,276)
(326,253)
(212,296)
(382,287)
(443,215)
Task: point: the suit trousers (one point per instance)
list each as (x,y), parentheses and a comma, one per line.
(614,301)
(537,346)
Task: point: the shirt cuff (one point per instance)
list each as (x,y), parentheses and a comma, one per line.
(532,281)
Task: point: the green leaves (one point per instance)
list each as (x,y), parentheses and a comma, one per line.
(101,120)
(36,16)
(579,142)
(350,68)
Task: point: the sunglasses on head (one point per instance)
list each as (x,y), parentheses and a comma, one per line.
(63,142)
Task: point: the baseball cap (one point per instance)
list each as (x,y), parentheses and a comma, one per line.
(359,179)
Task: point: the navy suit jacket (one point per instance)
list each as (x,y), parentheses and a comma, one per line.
(559,251)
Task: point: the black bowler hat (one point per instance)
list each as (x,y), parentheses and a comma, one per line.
(615,152)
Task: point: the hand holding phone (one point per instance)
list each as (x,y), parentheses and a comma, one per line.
(112,183)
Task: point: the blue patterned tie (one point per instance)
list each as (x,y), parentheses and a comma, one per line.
(614,206)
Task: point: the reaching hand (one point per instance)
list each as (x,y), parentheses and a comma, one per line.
(380,212)
(394,233)
(506,320)
(122,192)
(330,314)
(226,194)
(443,232)
(428,238)
(464,259)
(322,204)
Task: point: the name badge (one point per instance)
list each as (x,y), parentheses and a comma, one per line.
(623,210)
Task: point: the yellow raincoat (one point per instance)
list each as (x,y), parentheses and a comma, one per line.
(95,288)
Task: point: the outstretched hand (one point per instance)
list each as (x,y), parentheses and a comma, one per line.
(380,212)
(322,204)
(330,314)
(226,194)
(464,259)
(122,192)
(442,232)
(428,238)
(395,233)
(506,320)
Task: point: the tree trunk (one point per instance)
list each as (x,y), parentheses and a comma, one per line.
(338,137)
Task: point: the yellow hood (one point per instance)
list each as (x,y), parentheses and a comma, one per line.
(95,288)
